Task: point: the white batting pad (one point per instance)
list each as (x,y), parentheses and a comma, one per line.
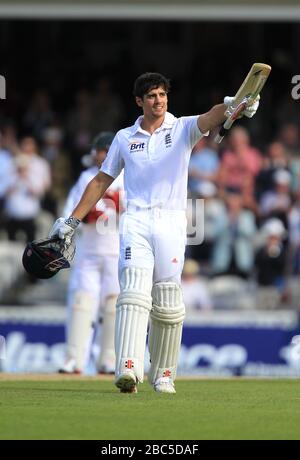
(133,306)
(80,327)
(165,332)
(106,359)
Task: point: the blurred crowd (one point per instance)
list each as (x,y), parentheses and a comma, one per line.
(251,196)
(251,210)
(41,157)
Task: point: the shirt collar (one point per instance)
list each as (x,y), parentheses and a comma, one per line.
(167,123)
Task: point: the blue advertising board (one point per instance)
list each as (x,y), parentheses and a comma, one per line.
(207,349)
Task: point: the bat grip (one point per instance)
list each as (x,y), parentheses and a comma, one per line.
(227,125)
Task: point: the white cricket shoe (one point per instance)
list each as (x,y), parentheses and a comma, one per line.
(164,385)
(126,382)
(107,368)
(69,367)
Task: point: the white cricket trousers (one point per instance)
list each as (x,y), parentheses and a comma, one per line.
(155,239)
(97,275)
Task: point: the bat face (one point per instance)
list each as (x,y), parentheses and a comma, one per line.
(253,83)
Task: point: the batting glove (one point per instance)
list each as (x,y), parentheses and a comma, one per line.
(249,111)
(64,228)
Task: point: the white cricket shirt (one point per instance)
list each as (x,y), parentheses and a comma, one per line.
(155,166)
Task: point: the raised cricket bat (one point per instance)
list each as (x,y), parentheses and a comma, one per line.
(250,89)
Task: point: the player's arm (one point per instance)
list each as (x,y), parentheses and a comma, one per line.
(92,194)
(213,118)
(219,113)
(94,191)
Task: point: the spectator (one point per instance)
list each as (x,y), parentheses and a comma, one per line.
(22,203)
(248,196)
(38,168)
(233,249)
(204,164)
(60,168)
(108,109)
(212,207)
(277,159)
(240,162)
(294,234)
(271,258)
(79,123)
(9,139)
(39,114)
(6,171)
(277,202)
(290,138)
(195,293)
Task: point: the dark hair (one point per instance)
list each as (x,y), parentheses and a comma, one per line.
(150,80)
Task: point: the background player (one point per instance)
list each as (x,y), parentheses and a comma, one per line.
(93,285)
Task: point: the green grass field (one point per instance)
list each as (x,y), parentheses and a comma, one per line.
(201,409)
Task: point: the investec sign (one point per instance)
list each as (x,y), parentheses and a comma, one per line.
(2,87)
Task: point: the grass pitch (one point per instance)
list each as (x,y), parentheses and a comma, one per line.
(91,408)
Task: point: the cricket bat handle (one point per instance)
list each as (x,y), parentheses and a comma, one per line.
(227,125)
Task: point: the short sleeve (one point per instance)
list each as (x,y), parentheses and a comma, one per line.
(190,125)
(113,163)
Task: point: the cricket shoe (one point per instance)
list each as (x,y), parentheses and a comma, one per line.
(164,385)
(106,369)
(69,368)
(126,382)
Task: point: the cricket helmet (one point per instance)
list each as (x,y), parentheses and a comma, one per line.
(102,141)
(44,258)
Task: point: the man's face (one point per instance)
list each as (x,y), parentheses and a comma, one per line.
(154,103)
(28,145)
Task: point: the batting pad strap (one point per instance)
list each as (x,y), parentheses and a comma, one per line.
(164,315)
(136,299)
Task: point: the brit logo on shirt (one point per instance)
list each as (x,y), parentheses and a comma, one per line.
(137,146)
(168,140)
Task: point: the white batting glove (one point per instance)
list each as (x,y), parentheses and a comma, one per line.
(64,228)
(249,111)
